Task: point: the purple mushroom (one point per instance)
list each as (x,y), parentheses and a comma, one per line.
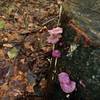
(55,35)
(56,53)
(66,84)
(56,31)
(53,39)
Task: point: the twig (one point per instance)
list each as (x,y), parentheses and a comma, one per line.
(78,30)
(60,12)
(48,21)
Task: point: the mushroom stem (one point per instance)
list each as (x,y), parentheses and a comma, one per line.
(56,59)
(53,47)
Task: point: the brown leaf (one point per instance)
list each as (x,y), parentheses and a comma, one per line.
(1,53)
(4,87)
(29,88)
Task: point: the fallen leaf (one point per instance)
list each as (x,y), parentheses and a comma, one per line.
(1,53)
(2,24)
(7,45)
(31,78)
(29,88)
(4,86)
(12,53)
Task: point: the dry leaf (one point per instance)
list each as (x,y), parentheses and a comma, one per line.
(7,45)
(12,53)
(29,88)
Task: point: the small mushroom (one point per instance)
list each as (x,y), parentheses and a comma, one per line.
(66,84)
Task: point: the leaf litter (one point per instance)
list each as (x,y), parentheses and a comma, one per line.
(24,47)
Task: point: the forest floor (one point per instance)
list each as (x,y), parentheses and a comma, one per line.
(23,45)
(25,55)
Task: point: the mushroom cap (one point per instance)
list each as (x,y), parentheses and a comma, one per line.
(68,88)
(66,84)
(56,31)
(63,77)
(56,53)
